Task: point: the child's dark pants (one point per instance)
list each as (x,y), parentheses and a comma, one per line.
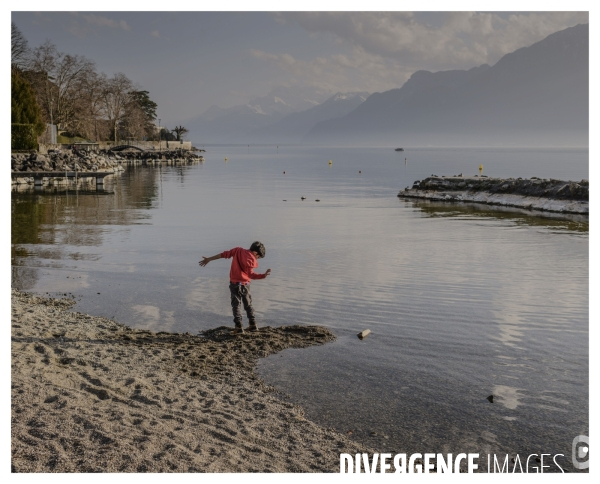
(241,295)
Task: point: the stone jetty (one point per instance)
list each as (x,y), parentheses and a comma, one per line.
(105,161)
(530,193)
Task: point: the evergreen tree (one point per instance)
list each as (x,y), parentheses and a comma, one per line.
(26,115)
(24,107)
(146,104)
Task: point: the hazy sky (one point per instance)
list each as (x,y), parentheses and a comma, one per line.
(189,61)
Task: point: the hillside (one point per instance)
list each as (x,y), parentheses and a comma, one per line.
(536,95)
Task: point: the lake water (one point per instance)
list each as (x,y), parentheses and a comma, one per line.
(463,301)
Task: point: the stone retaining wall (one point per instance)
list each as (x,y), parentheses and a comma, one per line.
(43,148)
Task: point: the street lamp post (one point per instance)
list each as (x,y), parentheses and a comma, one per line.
(49,91)
(49,94)
(159,136)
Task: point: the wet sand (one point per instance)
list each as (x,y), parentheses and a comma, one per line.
(92,395)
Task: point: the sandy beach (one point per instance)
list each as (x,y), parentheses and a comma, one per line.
(92,395)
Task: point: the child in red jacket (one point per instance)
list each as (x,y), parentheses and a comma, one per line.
(242,271)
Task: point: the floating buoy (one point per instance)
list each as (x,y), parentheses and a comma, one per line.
(480,168)
(226,158)
(284,172)
(330,162)
(317,200)
(359,171)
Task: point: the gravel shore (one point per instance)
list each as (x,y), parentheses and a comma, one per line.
(92,395)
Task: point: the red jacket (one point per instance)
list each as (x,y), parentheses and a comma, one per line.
(242,265)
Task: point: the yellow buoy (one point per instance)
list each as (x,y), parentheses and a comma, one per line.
(330,162)
(226,159)
(480,167)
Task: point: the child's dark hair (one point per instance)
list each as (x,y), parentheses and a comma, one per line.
(259,248)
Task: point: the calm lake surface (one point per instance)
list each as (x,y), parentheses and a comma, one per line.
(463,301)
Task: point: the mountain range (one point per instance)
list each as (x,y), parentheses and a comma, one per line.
(535,96)
(235,124)
(293,127)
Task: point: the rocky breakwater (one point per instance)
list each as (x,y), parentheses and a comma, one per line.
(62,161)
(132,155)
(534,193)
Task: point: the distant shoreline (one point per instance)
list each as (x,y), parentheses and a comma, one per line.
(548,195)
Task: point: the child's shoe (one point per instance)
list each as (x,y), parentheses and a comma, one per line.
(237,331)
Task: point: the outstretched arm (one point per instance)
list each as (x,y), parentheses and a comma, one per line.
(206,260)
(253,275)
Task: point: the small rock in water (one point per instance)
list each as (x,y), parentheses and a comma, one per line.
(363,334)
(490,399)
(317,200)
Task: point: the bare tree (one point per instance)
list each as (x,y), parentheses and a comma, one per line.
(134,121)
(74,96)
(19,50)
(115,98)
(58,79)
(42,63)
(89,107)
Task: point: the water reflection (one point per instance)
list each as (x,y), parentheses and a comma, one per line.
(155,319)
(507,396)
(48,224)
(510,328)
(516,216)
